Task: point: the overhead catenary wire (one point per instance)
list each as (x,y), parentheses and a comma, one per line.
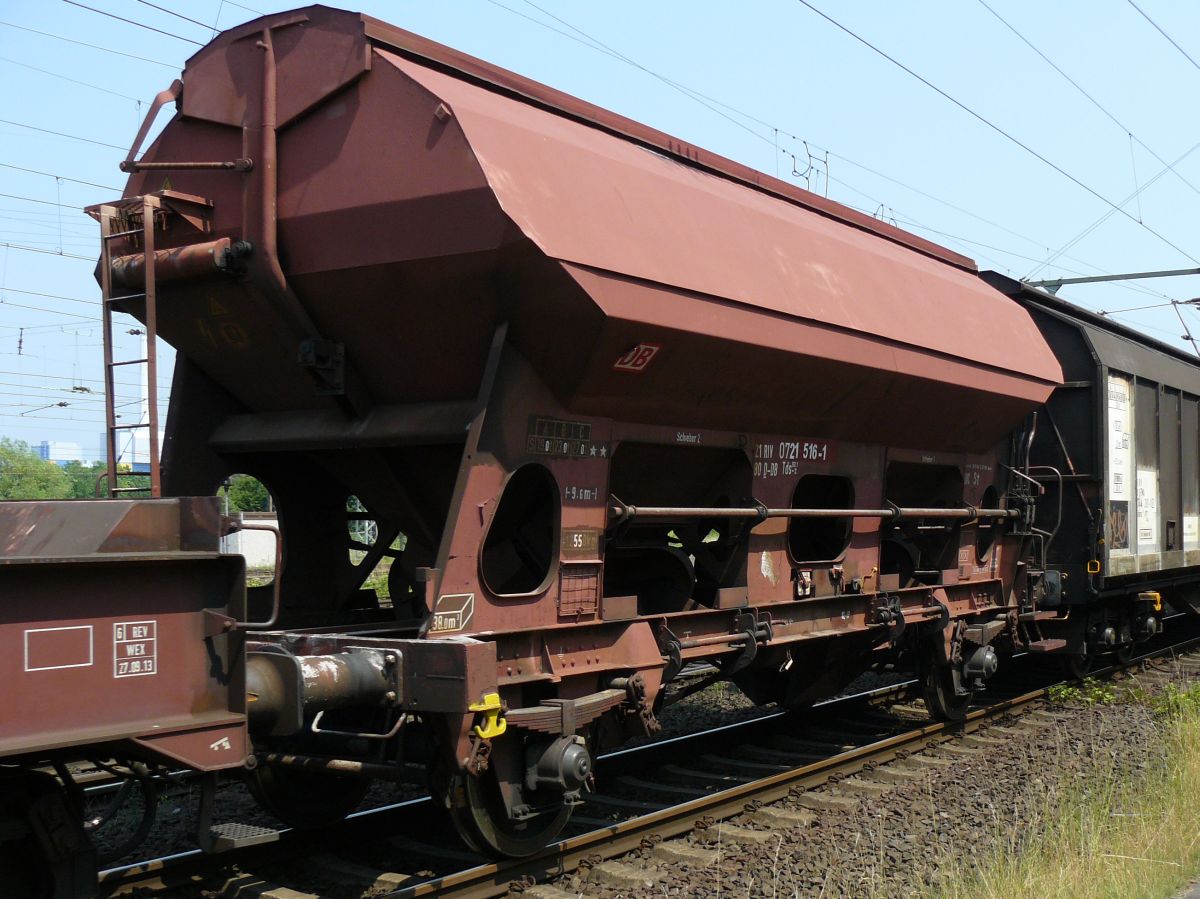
(599,46)
(76,389)
(83,402)
(46,228)
(1136,308)
(8,165)
(36,239)
(172,12)
(90,318)
(52,328)
(257,12)
(53,296)
(42,228)
(16,246)
(908,222)
(1135,287)
(59,37)
(1133,165)
(43,240)
(595,45)
(992,125)
(1109,214)
(133,22)
(90,404)
(127,397)
(59,405)
(1075,84)
(22,374)
(86,140)
(24,215)
(97,418)
(43,375)
(43,202)
(40,216)
(87,84)
(1160,30)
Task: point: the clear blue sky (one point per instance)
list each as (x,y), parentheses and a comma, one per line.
(773,74)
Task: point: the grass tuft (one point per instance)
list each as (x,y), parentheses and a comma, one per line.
(1088,692)
(1130,829)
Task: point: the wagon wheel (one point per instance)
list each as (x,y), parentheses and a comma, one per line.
(479,817)
(448,792)
(937,689)
(478,814)
(1124,653)
(305,799)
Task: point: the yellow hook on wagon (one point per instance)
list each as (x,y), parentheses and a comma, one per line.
(493,725)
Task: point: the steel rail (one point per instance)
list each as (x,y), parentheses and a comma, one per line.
(495,879)
(169,871)
(568,855)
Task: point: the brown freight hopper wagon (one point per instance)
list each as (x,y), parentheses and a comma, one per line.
(614,404)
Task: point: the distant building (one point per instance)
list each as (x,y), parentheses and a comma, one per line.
(60,452)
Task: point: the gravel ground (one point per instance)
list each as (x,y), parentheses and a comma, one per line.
(723,703)
(981,798)
(719,704)
(175,825)
(964,803)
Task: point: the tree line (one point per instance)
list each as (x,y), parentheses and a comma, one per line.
(25,475)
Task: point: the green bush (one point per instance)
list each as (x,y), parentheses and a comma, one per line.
(1088,692)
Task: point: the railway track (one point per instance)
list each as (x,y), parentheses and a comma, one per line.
(845,749)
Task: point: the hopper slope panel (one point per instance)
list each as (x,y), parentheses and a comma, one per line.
(725,365)
(588,197)
(416,331)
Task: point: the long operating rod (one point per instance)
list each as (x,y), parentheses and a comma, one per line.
(624,512)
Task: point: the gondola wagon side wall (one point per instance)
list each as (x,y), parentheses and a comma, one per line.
(1124,430)
(1152,477)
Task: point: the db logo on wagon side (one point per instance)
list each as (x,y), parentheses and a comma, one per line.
(637,358)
